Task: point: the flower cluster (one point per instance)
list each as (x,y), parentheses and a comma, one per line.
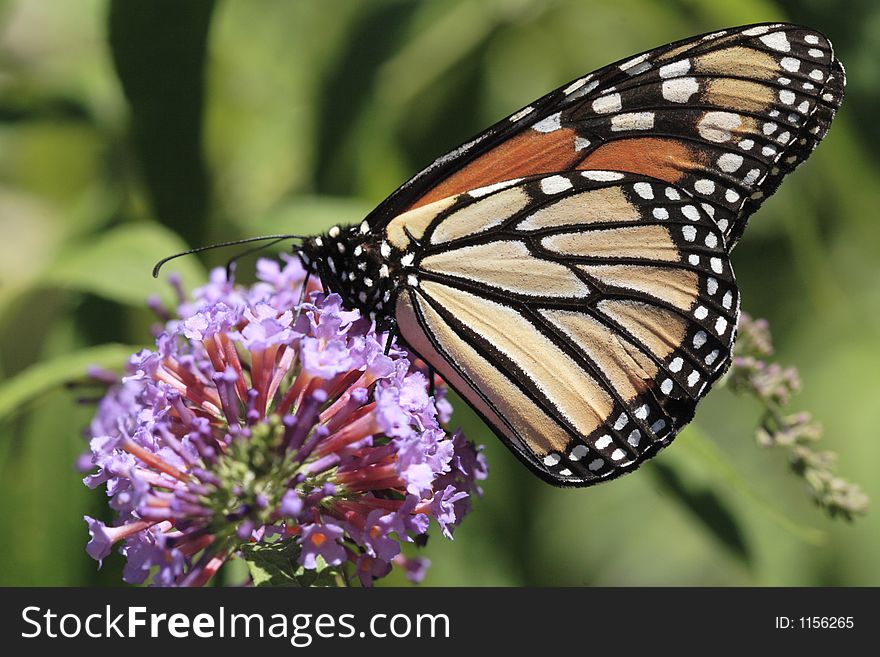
(773,385)
(267,416)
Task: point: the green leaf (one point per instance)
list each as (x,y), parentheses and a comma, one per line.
(275,564)
(159,50)
(309,215)
(696,445)
(42,377)
(117,265)
(707,506)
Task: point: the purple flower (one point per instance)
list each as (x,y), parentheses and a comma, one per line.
(375,537)
(321,540)
(256,419)
(443,508)
(415,567)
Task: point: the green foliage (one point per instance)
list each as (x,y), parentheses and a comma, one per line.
(18,392)
(132,130)
(114,266)
(275,564)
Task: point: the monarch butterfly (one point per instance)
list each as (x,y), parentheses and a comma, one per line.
(567,271)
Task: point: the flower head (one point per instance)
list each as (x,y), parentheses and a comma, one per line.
(261,419)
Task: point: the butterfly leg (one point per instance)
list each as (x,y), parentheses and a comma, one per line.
(389,325)
(431,387)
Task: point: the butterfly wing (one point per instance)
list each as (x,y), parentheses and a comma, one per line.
(582,314)
(724,115)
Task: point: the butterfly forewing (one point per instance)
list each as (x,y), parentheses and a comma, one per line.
(725,115)
(582,314)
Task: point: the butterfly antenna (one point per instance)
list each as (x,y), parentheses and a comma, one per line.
(222,245)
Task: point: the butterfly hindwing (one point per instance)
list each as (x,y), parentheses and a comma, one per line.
(724,115)
(582,314)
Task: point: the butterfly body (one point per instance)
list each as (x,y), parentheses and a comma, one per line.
(568,271)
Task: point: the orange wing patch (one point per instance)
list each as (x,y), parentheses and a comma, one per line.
(527,154)
(666,159)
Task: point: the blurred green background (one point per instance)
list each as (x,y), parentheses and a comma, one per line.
(130,129)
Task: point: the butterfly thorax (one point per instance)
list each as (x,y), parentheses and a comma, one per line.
(353,264)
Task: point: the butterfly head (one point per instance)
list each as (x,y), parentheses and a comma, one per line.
(351,263)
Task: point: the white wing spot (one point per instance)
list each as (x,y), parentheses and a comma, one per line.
(578,452)
(716,265)
(689,232)
(602,176)
(717,126)
(730,162)
(603,442)
(721,326)
(632,121)
(704,186)
(634,437)
(675,69)
(679,90)
(701,312)
(555,184)
(675,365)
(580,143)
(711,240)
(711,357)
(700,338)
(574,86)
(644,190)
(551,459)
(617,454)
(488,189)
(694,259)
(727,301)
(790,64)
(636,65)
(621,422)
(660,213)
(596,464)
(693,377)
(551,123)
(666,386)
(606,104)
(524,112)
(787,96)
(777,41)
(690,212)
